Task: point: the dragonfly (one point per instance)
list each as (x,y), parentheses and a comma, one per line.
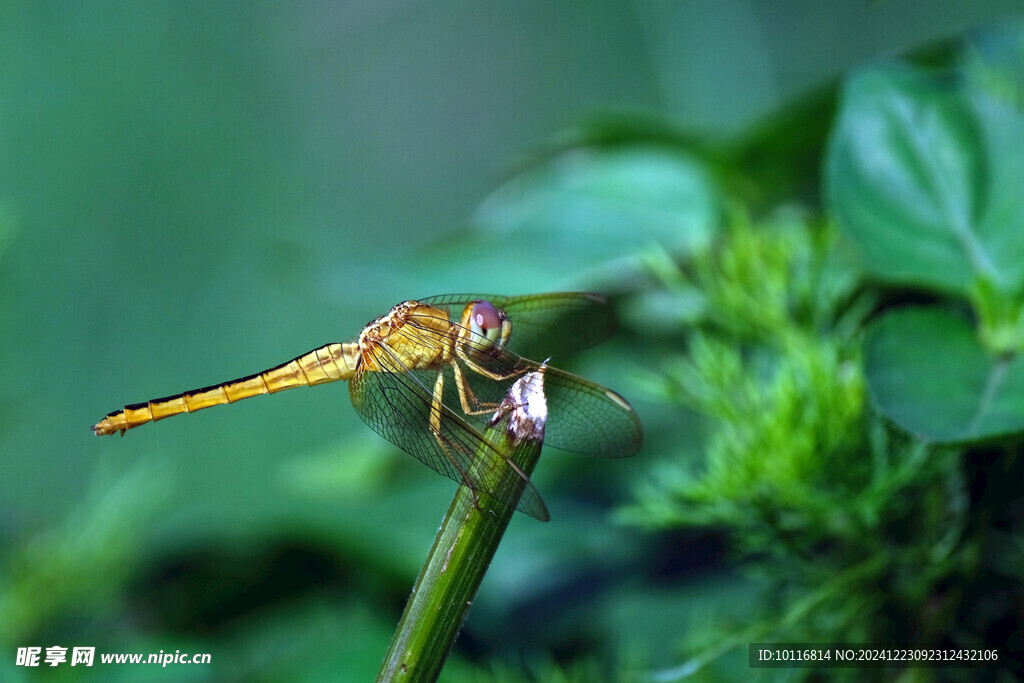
(427,375)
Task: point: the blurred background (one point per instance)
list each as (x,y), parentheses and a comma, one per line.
(191,192)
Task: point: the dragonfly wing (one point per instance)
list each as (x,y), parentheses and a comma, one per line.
(556,325)
(588,418)
(397,405)
(582,416)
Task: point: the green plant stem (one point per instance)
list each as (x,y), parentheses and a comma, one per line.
(465,544)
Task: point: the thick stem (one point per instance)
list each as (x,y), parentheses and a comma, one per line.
(466,543)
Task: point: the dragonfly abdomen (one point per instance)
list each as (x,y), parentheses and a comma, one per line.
(321,365)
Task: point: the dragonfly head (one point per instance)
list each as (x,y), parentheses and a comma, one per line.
(489,325)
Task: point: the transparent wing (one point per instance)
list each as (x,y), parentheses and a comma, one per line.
(397,405)
(555,325)
(583,416)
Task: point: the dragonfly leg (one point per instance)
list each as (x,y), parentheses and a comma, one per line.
(466,396)
(481,370)
(435,429)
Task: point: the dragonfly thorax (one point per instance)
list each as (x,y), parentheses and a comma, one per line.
(415,335)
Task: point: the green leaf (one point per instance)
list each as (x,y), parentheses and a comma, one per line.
(924,174)
(993,60)
(587,214)
(602,204)
(929,374)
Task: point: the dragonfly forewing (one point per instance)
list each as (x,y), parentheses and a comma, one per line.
(553,325)
(398,405)
(583,416)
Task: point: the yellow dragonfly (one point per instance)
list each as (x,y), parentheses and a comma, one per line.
(427,375)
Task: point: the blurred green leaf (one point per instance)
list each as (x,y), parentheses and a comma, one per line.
(591,210)
(929,374)
(608,202)
(993,60)
(924,175)
(580,218)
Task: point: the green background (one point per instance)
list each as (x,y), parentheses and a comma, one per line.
(197,191)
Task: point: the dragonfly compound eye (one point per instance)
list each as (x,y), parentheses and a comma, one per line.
(487,321)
